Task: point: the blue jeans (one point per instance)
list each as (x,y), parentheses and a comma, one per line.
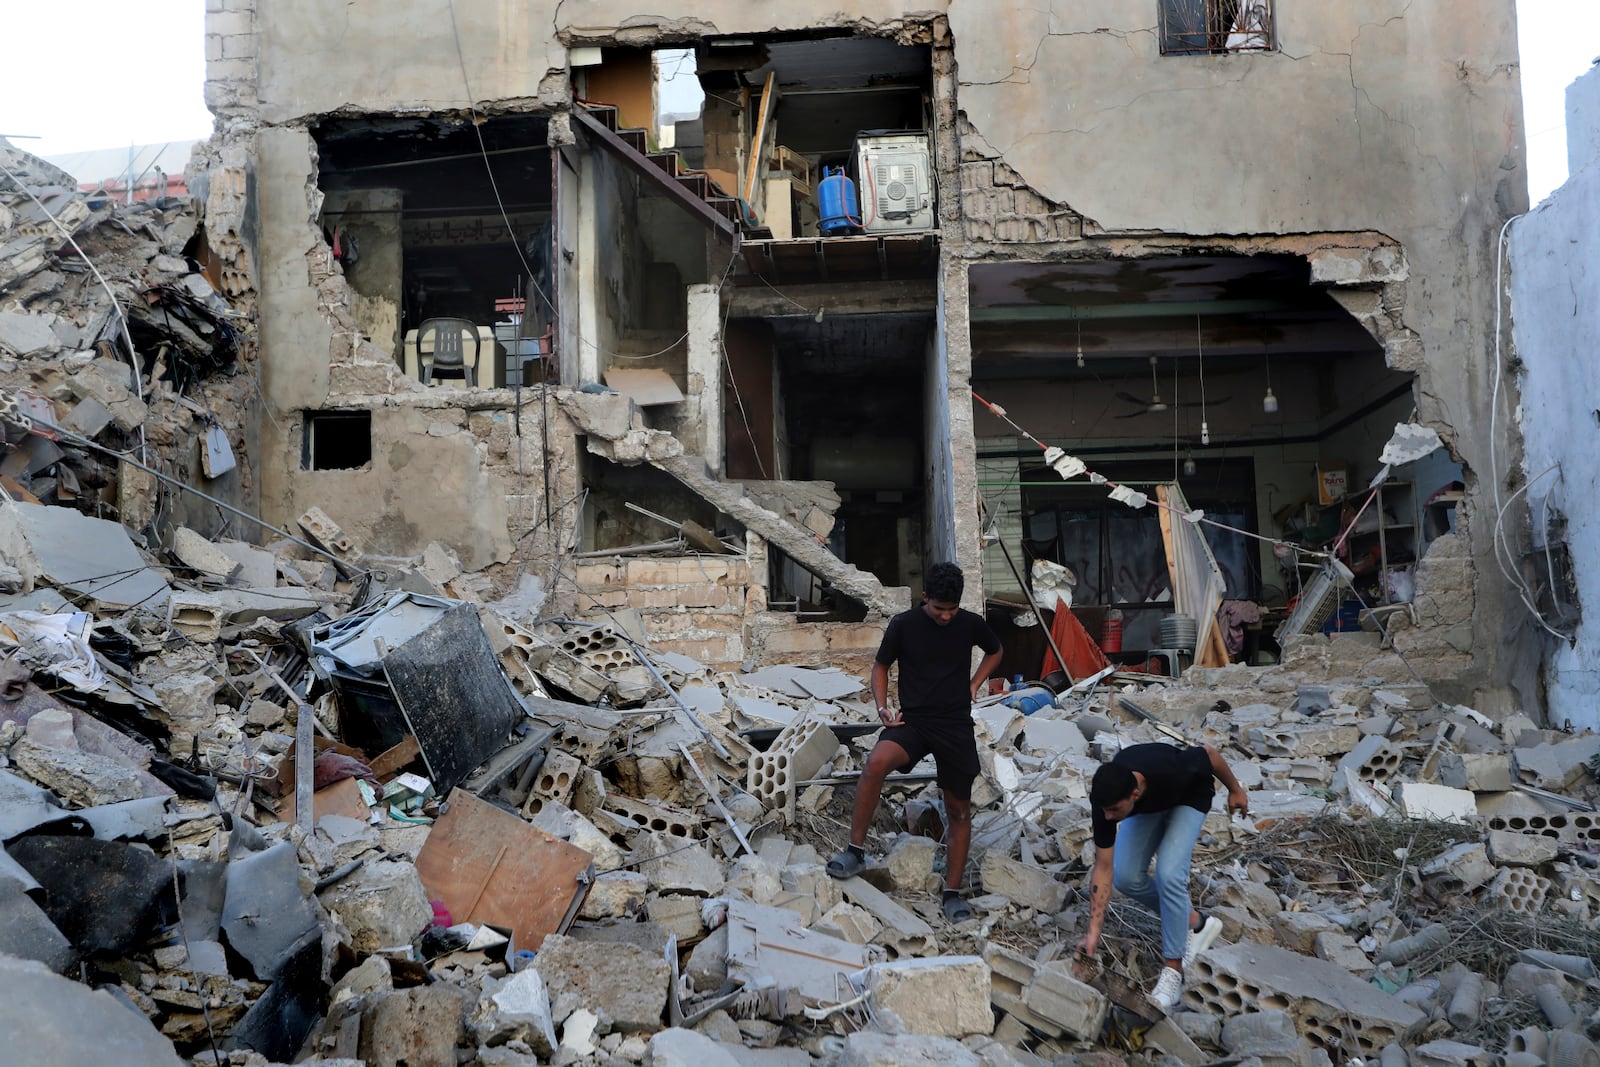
(1169,837)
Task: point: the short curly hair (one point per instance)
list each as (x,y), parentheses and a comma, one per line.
(944,583)
(1111,784)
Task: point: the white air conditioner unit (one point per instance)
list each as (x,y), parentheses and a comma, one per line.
(895,181)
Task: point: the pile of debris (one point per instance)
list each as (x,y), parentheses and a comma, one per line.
(294,804)
(113,339)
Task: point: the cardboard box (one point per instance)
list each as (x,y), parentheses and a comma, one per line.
(1332,483)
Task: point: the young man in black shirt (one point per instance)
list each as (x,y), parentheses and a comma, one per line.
(933,644)
(1151,801)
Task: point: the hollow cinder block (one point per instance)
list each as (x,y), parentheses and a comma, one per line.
(1333,1008)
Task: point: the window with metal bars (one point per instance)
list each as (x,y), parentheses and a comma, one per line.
(1210,27)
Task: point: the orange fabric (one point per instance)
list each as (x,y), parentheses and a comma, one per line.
(1083,655)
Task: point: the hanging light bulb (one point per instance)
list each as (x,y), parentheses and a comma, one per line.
(1205,433)
(1269,403)
(1188,464)
(1080,344)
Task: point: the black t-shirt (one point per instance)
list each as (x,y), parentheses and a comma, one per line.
(935,660)
(1172,776)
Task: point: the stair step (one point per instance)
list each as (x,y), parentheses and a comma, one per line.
(727,205)
(637,139)
(667,161)
(606,113)
(696,184)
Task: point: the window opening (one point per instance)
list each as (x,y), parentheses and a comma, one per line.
(1211,27)
(337,440)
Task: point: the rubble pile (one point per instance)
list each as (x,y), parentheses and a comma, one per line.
(155,379)
(296,804)
(292,802)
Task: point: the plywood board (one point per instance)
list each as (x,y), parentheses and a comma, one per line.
(341,798)
(488,866)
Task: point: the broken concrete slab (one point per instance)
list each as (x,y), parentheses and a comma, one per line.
(515,1008)
(624,985)
(48,1019)
(207,560)
(868,1049)
(1420,800)
(413,1026)
(942,995)
(1508,849)
(1073,1006)
(383,904)
(1022,883)
(92,557)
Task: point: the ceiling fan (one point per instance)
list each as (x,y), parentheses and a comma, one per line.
(1154,404)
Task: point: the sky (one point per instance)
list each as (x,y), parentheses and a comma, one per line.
(134,71)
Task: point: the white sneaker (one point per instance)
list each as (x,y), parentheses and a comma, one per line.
(1201,939)
(1169,987)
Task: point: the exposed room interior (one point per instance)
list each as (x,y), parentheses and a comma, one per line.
(425,230)
(1254,391)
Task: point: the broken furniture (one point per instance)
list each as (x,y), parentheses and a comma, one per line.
(419,665)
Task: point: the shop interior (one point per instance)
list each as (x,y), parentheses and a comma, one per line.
(1232,377)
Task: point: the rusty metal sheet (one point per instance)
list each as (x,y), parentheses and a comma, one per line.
(488,866)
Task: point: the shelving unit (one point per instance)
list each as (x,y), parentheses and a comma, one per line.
(1392,543)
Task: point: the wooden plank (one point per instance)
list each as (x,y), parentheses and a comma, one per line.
(390,761)
(769,99)
(488,866)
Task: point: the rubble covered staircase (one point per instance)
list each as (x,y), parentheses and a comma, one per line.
(696,193)
(799,543)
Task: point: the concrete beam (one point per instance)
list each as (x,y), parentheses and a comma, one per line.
(854,298)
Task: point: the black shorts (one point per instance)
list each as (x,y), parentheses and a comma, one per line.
(949,739)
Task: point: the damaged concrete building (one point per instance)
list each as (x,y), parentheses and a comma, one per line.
(1099,218)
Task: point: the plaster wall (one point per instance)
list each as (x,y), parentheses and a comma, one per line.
(320,56)
(1555,261)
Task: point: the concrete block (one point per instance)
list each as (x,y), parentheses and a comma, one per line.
(811,880)
(1486,772)
(420,1025)
(1508,849)
(1330,1006)
(1251,896)
(1444,1053)
(810,744)
(1559,766)
(383,905)
(327,533)
(849,923)
(770,778)
(615,895)
(1298,930)
(1270,1035)
(869,1049)
(617,981)
(1073,1006)
(1519,889)
(1374,759)
(514,1008)
(672,867)
(558,820)
(1338,947)
(1420,800)
(197,552)
(1580,826)
(1022,883)
(944,995)
(555,782)
(910,862)
(1461,868)
(1048,737)
(1170,1039)
(1303,739)
(677,1047)
(677,914)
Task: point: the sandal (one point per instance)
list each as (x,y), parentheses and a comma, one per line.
(957,910)
(847,864)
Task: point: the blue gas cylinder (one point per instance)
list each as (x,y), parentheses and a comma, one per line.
(836,203)
(1029,699)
